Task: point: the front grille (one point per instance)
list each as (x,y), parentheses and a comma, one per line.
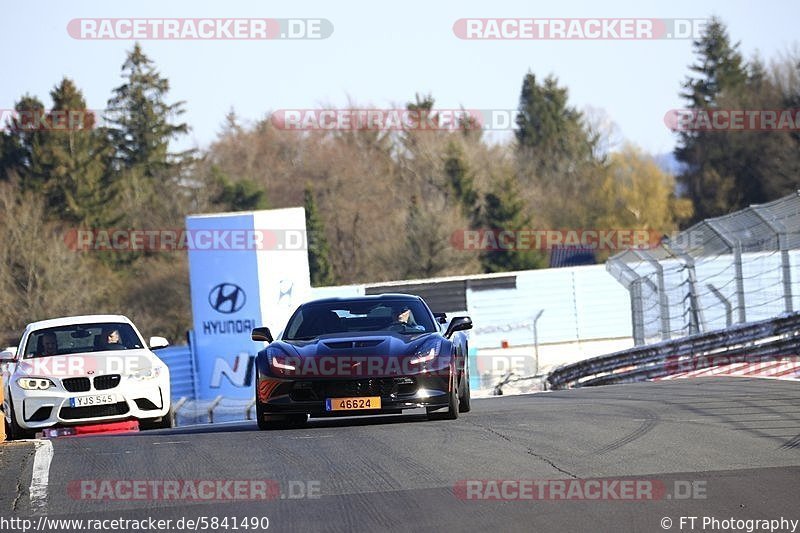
(319,390)
(94,411)
(76,384)
(106,382)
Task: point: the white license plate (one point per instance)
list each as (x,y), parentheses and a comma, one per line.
(88,401)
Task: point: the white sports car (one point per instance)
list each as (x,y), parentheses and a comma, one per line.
(83,370)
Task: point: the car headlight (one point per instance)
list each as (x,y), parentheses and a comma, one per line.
(427,352)
(278,360)
(147,373)
(35,383)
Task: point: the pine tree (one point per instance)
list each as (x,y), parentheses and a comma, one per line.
(140,120)
(152,181)
(505,211)
(239,195)
(550,134)
(461,180)
(711,157)
(74,162)
(21,142)
(318,250)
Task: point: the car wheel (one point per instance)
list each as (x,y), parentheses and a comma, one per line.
(452,406)
(263,425)
(277,421)
(13,430)
(464,398)
(296,421)
(165,422)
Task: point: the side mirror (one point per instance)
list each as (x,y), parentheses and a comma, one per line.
(261,334)
(158,342)
(459,323)
(7,356)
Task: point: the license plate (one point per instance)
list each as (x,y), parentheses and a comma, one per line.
(87,401)
(353,404)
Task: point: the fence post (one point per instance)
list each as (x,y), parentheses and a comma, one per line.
(663,301)
(696,320)
(536,338)
(632,281)
(725,302)
(786,268)
(737,263)
(786,272)
(211,408)
(173,413)
(637,312)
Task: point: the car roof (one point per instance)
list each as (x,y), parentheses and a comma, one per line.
(81,319)
(371,297)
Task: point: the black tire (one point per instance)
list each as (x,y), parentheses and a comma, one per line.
(263,425)
(452,405)
(165,422)
(13,430)
(294,420)
(464,398)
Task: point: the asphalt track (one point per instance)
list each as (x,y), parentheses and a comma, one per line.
(736,439)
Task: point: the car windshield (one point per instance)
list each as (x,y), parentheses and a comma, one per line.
(81,338)
(356,316)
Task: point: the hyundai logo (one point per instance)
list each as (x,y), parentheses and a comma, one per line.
(227,298)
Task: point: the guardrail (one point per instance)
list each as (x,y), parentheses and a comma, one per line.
(758,341)
(187,411)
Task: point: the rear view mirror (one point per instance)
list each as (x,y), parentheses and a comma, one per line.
(458,323)
(261,334)
(158,342)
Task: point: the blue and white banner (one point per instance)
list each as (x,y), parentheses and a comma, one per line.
(247,276)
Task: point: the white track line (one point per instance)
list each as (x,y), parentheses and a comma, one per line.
(41,475)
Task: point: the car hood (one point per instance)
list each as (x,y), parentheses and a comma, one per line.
(356,345)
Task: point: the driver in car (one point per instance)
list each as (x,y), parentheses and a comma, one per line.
(49,344)
(405,319)
(113,340)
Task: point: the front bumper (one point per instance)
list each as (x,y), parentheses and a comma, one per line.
(297,396)
(139,399)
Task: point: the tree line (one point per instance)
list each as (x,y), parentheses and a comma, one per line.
(380,205)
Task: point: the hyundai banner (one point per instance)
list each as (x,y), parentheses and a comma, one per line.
(246,270)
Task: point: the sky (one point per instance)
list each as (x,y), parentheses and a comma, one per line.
(380,55)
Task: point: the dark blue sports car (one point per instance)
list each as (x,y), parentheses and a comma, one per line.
(362,356)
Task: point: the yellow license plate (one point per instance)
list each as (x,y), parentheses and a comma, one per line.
(353,404)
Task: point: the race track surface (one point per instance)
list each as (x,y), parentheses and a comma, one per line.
(736,441)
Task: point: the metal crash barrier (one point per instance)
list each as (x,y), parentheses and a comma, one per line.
(754,342)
